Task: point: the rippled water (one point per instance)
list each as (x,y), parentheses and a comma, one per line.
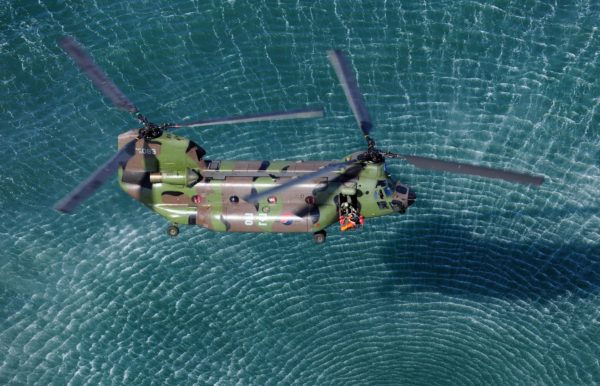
(482,282)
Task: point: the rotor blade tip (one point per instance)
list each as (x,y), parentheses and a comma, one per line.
(66,42)
(60,207)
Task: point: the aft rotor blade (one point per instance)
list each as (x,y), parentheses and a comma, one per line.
(348,81)
(456,167)
(273,116)
(297,181)
(95,73)
(95,181)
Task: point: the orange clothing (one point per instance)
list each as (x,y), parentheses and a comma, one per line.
(348,225)
(347,222)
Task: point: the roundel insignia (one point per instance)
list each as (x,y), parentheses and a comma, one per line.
(287,218)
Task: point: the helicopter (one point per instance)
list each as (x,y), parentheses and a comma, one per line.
(170,174)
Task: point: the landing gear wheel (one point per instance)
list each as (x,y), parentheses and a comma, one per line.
(173,230)
(319,237)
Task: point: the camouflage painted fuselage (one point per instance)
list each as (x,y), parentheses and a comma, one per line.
(170,175)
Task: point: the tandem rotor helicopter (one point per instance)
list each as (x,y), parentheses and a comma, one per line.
(170,175)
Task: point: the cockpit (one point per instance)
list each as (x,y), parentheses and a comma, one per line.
(402,197)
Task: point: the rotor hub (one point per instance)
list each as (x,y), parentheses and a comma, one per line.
(372,154)
(151,130)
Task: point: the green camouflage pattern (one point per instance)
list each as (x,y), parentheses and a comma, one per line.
(169,175)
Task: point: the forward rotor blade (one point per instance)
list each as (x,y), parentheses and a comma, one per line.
(273,116)
(455,167)
(297,181)
(348,81)
(95,181)
(95,73)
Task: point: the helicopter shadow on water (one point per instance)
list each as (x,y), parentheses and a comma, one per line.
(452,262)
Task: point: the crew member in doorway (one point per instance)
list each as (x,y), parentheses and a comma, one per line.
(349,217)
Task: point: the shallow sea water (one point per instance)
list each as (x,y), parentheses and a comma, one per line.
(481,282)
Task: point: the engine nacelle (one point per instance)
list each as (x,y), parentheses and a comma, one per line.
(188,178)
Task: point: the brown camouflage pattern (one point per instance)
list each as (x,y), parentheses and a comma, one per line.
(170,175)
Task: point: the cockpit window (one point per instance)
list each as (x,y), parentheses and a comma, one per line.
(401,189)
(397,205)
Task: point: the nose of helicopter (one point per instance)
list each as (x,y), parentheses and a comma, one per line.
(404,197)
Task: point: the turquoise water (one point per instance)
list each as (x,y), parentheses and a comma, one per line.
(481,282)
